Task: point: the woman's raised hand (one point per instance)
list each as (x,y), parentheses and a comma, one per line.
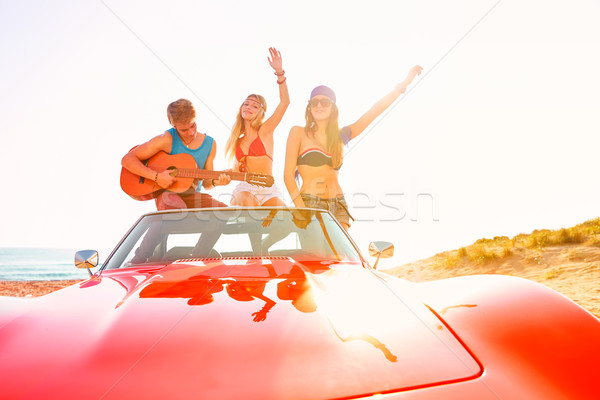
(275,60)
(414,71)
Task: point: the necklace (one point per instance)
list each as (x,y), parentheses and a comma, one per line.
(188,143)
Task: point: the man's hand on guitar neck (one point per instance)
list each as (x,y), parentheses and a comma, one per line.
(224,179)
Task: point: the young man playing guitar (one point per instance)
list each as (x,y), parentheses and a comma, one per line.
(182,138)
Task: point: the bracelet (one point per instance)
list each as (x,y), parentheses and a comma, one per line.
(281,74)
(281,83)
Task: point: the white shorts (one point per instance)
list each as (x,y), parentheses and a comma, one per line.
(262,194)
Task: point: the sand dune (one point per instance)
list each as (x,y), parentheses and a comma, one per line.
(573,270)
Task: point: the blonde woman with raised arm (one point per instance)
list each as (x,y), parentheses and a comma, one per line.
(251,141)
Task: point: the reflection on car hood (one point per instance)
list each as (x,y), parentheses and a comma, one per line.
(230,328)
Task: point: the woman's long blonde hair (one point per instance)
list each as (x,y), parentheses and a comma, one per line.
(238,131)
(335,145)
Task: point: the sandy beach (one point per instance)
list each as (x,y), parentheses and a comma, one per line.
(32,288)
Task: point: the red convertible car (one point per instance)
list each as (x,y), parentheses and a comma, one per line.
(244,303)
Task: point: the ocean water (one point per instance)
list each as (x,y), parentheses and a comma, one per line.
(39,264)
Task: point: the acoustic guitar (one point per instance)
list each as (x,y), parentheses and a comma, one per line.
(184,168)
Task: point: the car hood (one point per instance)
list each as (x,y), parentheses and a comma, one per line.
(238,328)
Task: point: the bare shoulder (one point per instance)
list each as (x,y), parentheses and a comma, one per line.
(297,132)
(158,143)
(162,142)
(163,137)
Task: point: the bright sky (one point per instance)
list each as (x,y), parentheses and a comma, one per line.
(498,136)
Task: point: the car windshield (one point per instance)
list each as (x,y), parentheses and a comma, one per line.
(301,234)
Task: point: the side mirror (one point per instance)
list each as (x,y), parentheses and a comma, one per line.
(380,250)
(86,259)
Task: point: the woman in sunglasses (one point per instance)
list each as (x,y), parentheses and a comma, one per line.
(315,151)
(251,142)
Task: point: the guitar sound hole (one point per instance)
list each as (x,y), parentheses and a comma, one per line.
(173,170)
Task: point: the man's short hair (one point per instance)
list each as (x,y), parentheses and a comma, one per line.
(181,111)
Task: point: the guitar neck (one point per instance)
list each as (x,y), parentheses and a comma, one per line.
(206,174)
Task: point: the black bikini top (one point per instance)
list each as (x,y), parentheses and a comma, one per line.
(315,158)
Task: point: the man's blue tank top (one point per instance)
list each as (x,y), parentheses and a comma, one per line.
(200,154)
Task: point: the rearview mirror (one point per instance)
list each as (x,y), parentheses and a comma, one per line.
(380,250)
(86,259)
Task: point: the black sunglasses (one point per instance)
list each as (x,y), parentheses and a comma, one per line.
(325,102)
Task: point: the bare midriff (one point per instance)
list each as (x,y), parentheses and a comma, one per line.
(320,181)
(259,165)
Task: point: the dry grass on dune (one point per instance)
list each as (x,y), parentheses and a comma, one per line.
(566,260)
